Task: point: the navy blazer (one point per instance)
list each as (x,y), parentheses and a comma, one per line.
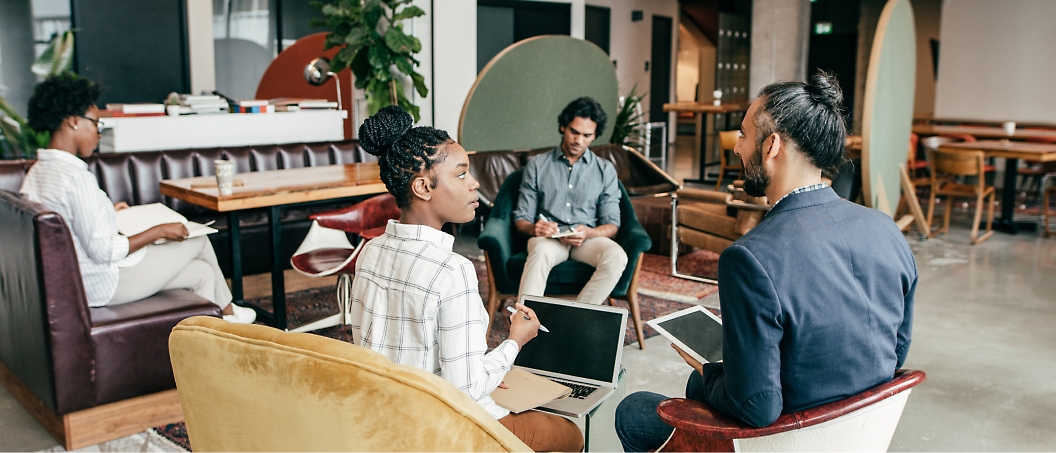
(817,305)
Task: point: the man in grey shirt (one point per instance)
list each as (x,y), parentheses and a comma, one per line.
(572,189)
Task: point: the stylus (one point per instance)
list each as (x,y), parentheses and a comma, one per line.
(541,327)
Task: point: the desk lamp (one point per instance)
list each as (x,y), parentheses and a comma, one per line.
(318,72)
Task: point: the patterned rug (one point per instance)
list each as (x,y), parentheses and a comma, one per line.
(659,294)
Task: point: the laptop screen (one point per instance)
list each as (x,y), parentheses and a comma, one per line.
(581,342)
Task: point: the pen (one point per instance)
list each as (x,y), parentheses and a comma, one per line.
(543,217)
(514,310)
(209,223)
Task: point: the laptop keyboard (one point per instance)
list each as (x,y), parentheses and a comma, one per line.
(578,391)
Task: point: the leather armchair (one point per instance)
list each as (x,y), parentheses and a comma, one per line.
(321,395)
(711,220)
(506,251)
(66,362)
(862,422)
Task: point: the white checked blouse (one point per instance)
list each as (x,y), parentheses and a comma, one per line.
(803,189)
(62,183)
(416,302)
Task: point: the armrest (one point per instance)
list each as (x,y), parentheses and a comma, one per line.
(701,420)
(371,213)
(496,239)
(710,196)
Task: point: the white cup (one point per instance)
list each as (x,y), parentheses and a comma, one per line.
(717,94)
(1010,127)
(225,176)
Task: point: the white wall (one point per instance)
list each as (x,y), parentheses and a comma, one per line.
(454,51)
(200,45)
(997,61)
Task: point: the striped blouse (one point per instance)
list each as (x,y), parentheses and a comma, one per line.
(62,183)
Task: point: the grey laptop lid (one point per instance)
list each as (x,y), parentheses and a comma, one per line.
(585,342)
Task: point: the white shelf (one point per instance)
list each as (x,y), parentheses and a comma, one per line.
(153,133)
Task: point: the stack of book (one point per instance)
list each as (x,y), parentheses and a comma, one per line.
(130,110)
(202,104)
(253,106)
(298,104)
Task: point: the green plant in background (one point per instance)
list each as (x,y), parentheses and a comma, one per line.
(377,51)
(16,137)
(627,127)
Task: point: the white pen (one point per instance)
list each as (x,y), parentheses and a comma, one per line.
(514,310)
(209,223)
(543,217)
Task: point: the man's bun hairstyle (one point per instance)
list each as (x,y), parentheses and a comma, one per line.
(810,115)
(584,107)
(403,151)
(59,97)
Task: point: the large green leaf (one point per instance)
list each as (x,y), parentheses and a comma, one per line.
(57,57)
(419,84)
(378,57)
(361,68)
(9,110)
(403,64)
(399,42)
(408,13)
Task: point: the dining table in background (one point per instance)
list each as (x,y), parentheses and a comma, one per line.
(273,190)
(700,112)
(985,132)
(1012,152)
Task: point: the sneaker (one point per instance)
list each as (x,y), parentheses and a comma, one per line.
(242,315)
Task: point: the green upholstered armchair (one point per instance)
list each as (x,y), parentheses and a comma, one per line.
(506,251)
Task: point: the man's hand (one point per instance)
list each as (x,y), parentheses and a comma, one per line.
(120,205)
(690,360)
(582,234)
(544,228)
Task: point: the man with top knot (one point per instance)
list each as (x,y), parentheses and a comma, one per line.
(817,299)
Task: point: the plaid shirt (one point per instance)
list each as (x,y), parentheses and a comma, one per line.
(416,302)
(809,188)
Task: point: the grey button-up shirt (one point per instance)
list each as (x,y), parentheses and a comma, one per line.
(586,193)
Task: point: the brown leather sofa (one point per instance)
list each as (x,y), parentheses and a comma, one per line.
(134,178)
(87,374)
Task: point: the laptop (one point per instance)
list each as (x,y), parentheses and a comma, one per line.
(583,351)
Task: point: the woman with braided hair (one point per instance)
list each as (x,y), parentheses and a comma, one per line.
(415,300)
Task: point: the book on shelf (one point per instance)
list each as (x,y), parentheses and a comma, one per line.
(199,97)
(118,114)
(287,108)
(251,102)
(304,103)
(144,107)
(201,110)
(254,109)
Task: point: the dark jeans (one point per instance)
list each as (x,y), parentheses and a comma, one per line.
(637,423)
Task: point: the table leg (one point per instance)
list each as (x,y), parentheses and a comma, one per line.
(700,143)
(234,234)
(1006,223)
(278,282)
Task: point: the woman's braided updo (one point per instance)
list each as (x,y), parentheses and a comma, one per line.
(403,152)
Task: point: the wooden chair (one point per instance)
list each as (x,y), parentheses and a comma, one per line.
(728,141)
(862,422)
(945,166)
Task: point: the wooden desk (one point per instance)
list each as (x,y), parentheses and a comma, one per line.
(985,132)
(273,190)
(928,119)
(1012,152)
(700,111)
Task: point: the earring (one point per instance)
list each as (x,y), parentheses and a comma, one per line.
(74,127)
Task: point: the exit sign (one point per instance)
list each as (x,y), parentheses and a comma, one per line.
(823,28)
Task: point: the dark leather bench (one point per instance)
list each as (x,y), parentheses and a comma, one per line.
(134,177)
(87,374)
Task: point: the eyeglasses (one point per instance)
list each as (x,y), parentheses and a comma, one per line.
(98,125)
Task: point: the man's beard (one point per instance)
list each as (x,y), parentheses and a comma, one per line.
(756,179)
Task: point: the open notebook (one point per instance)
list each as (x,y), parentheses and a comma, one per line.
(137,219)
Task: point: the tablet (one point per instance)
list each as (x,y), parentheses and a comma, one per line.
(694,330)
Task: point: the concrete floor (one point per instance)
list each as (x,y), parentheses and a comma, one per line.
(983,332)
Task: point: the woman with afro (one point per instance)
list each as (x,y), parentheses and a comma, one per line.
(415,300)
(115,269)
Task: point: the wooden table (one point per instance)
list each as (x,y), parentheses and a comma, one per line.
(700,111)
(985,132)
(1012,152)
(273,190)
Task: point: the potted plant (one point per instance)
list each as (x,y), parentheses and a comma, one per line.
(627,127)
(16,137)
(374,45)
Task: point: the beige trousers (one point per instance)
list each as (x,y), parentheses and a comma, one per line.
(607,257)
(190,265)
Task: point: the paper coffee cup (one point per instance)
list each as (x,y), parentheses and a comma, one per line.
(1010,127)
(225,176)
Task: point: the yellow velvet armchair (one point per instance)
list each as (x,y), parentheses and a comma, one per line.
(255,388)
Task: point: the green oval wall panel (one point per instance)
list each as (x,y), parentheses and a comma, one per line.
(888,110)
(516,99)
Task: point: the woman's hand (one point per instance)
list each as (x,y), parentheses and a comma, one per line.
(523,330)
(170,231)
(120,205)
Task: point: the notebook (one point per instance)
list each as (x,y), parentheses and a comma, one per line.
(137,219)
